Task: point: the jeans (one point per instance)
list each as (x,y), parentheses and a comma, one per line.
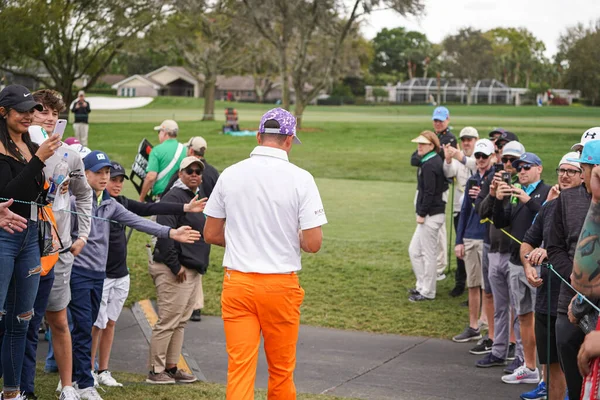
(86,294)
(19,280)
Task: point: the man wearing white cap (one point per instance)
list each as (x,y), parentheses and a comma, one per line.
(590,134)
(532,256)
(164,159)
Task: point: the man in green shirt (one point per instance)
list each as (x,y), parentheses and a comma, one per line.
(164,159)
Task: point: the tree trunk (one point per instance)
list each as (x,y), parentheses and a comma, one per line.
(209,99)
(299,110)
(410,70)
(527,79)
(469,92)
(68,96)
(285,81)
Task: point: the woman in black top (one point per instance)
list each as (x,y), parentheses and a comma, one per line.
(21,177)
(430,209)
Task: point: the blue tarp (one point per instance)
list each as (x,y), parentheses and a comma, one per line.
(241,133)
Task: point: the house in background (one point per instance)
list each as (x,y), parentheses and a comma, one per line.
(165,81)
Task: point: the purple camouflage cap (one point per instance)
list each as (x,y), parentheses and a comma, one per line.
(286,121)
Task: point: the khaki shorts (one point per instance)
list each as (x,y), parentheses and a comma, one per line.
(473,255)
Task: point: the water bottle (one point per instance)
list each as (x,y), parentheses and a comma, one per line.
(60,173)
(514,199)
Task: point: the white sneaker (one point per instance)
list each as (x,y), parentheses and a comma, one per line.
(68,393)
(59,387)
(441,277)
(522,375)
(89,393)
(95,376)
(105,378)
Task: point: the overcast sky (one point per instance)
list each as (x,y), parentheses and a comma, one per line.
(547,19)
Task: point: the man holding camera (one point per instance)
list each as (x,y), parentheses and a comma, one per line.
(81,109)
(469,238)
(515,208)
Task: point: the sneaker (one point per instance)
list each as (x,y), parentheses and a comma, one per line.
(522,375)
(162,378)
(413,291)
(196,316)
(68,393)
(485,347)
(95,376)
(181,376)
(417,297)
(539,393)
(105,378)
(467,335)
(457,291)
(517,362)
(28,396)
(511,351)
(441,277)
(89,393)
(490,360)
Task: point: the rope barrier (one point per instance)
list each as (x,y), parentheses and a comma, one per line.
(33,203)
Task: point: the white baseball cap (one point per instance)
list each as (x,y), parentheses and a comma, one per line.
(574,155)
(470,132)
(513,148)
(484,146)
(197,143)
(81,149)
(168,125)
(590,134)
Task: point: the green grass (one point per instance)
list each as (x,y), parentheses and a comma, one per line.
(136,389)
(360,158)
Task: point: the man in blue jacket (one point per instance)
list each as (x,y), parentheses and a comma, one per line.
(89,267)
(469,238)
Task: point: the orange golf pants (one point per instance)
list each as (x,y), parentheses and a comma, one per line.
(253,303)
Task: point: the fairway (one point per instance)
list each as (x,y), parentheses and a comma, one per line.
(360,159)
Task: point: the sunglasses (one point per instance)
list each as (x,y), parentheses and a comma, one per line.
(525,167)
(191,171)
(481,155)
(508,159)
(569,172)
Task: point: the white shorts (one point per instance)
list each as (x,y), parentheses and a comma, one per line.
(114,294)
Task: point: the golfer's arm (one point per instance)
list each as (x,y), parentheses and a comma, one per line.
(147,185)
(214,231)
(311,239)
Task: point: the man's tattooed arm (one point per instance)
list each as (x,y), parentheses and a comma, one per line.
(586,266)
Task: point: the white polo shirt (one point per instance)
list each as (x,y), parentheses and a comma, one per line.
(265,200)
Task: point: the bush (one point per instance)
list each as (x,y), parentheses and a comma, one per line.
(336,101)
(98,90)
(559,101)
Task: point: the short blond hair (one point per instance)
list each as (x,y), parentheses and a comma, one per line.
(432,137)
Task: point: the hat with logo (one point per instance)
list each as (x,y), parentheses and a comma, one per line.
(527,158)
(469,132)
(117,169)
(507,136)
(484,146)
(186,162)
(81,149)
(285,121)
(196,143)
(590,134)
(167,125)
(441,114)
(96,160)
(590,153)
(19,98)
(513,148)
(570,156)
(72,140)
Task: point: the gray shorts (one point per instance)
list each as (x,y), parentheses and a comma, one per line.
(60,295)
(521,291)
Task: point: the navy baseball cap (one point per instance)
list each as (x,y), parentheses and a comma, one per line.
(96,160)
(527,158)
(505,136)
(19,98)
(117,169)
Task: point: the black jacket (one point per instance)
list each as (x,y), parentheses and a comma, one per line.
(81,113)
(517,218)
(174,254)
(116,264)
(209,180)
(537,236)
(431,184)
(571,209)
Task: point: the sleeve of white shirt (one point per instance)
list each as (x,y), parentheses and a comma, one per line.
(312,213)
(215,206)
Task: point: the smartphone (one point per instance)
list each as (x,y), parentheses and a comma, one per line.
(60,127)
(498,167)
(470,184)
(507,178)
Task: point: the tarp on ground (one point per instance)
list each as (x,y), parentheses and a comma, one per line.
(241,133)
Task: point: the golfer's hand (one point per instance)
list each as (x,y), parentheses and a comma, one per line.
(195,205)
(184,234)
(459,251)
(588,350)
(532,276)
(420,220)
(181,275)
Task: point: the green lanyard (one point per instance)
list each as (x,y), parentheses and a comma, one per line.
(428,156)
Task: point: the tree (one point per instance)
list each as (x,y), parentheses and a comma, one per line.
(468,56)
(69,39)
(582,60)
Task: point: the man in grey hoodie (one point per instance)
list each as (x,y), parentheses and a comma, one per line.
(89,267)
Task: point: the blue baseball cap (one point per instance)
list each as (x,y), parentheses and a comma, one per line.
(96,160)
(527,158)
(440,113)
(590,153)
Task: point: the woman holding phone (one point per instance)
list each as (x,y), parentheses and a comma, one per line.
(22,178)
